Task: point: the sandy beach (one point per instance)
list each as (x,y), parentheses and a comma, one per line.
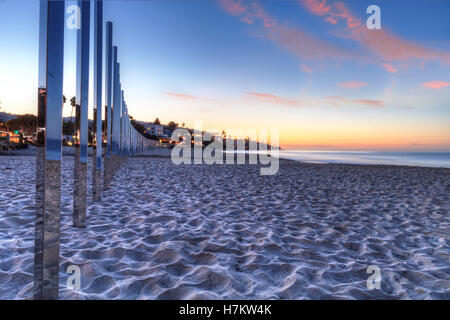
(163,231)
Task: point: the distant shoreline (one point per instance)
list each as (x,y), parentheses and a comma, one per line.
(165,153)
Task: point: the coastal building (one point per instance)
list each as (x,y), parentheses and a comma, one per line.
(154,130)
(167,132)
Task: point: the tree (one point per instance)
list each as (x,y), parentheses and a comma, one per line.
(26,122)
(172,125)
(157,121)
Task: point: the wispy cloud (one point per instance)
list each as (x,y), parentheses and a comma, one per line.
(233,7)
(273,99)
(184,96)
(249,12)
(389,89)
(332,13)
(306,68)
(336,101)
(304,45)
(436,84)
(389,68)
(352,84)
(382,43)
(292,39)
(368,102)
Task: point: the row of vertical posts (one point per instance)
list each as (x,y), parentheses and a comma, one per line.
(121,138)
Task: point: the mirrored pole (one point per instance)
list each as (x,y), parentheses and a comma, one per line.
(122,131)
(119,117)
(82,97)
(121,123)
(129,136)
(127,129)
(108,107)
(133,140)
(116,112)
(98,78)
(126,132)
(48,158)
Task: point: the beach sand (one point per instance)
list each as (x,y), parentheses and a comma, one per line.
(163,231)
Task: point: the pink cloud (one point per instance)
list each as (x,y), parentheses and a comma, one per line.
(389,67)
(180,95)
(389,89)
(249,13)
(382,43)
(233,7)
(317,7)
(304,45)
(184,96)
(292,39)
(342,12)
(375,103)
(436,84)
(255,11)
(392,48)
(295,102)
(369,102)
(306,68)
(384,48)
(331,20)
(248,20)
(332,12)
(274,99)
(352,84)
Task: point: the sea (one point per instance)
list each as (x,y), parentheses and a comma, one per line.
(422,159)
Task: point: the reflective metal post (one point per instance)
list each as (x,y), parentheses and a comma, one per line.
(81,153)
(108,96)
(122,126)
(98,78)
(116,114)
(115,103)
(48,159)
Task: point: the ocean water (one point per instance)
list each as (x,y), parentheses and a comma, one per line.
(423,159)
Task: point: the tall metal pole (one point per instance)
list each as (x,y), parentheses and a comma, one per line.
(98,79)
(108,95)
(122,125)
(116,106)
(82,97)
(48,158)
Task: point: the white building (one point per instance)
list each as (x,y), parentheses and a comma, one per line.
(155,129)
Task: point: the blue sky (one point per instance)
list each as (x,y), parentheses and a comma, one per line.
(309,68)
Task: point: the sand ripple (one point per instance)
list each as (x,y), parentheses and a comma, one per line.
(224,232)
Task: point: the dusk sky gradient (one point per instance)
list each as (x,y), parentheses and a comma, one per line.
(309,68)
